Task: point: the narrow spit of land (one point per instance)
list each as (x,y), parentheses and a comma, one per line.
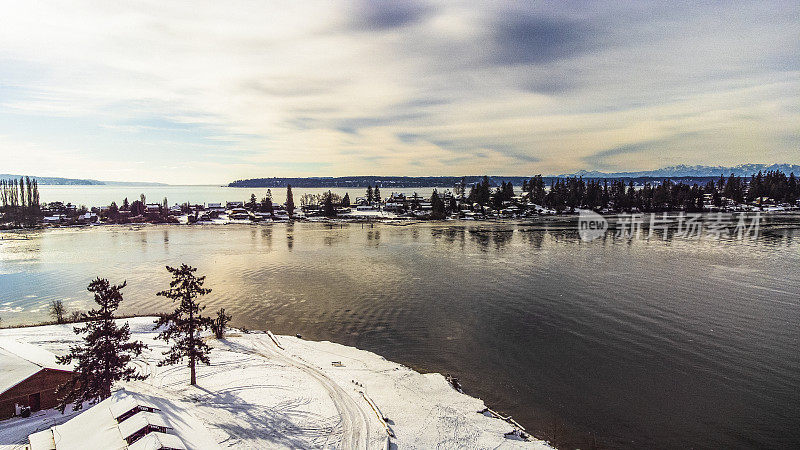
(264,391)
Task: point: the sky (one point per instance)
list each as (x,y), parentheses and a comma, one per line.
(209,92)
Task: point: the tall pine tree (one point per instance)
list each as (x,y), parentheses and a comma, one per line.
(103,357)
(289,201)
(376,194)
(183,326)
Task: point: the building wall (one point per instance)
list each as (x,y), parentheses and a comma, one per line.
(45,382)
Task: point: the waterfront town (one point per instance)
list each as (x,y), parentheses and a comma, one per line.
(767,192)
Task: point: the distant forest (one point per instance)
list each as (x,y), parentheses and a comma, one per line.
(416,182)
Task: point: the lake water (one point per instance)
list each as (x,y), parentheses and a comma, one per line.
(646,344)
(103,195)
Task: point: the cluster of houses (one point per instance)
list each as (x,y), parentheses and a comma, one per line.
(397,205)
(764,204)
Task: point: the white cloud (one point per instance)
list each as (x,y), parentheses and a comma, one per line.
(318,88)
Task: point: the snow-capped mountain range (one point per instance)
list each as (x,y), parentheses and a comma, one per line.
(692,171)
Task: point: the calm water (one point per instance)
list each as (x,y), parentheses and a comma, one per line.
(642,344)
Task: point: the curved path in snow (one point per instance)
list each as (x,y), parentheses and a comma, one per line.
(355,415)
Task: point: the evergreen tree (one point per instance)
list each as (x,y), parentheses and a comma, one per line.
(460,189)
(376,194)
(346,200)
(266,206)
(484,193)
(437,206)
(113,211)
(452,206)
(103,357)
(497,197)
(289,201)
(328,207)
(183,326)
(137,208)
(369,194)
(125,205)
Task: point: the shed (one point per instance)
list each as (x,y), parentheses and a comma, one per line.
(29,377)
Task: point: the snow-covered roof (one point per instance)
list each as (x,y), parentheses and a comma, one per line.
(128,402)
(93,428)
(97,427)
(42,440)
(21,360)
(157,441)
(140,420)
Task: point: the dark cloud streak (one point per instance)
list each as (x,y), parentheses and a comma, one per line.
(380,15)
(539,40)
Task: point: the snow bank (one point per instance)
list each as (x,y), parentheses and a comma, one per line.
(303,395)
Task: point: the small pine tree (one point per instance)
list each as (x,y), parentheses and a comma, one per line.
(220,323)
(289,201)
(376,194)
(103,357)
(437,206)
(328,207)
(369,194)
(183,326)
(346,200)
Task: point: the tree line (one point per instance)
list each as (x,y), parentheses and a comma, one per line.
(567,194)
(20,201)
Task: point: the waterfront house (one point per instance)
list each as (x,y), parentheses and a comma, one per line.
(238,214)
(29,378)
(125,420)
(234,205)
(281,214)
(89,217)
(392,206)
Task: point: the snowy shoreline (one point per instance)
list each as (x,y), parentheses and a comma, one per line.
(264,391)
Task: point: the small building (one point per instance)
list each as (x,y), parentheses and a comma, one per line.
(29,377)
(239,214)
(54,219)
(89,217)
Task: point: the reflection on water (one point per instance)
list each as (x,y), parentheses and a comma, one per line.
(658,343)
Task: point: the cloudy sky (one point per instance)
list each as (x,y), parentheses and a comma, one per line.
(210,92)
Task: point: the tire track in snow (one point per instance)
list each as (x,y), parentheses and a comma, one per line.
(355,421)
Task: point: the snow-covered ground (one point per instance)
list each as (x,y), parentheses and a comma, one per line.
(283,392)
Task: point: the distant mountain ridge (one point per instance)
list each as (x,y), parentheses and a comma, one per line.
(742,170)
(58,181)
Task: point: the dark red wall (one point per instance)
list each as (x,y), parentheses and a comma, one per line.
(45,382)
